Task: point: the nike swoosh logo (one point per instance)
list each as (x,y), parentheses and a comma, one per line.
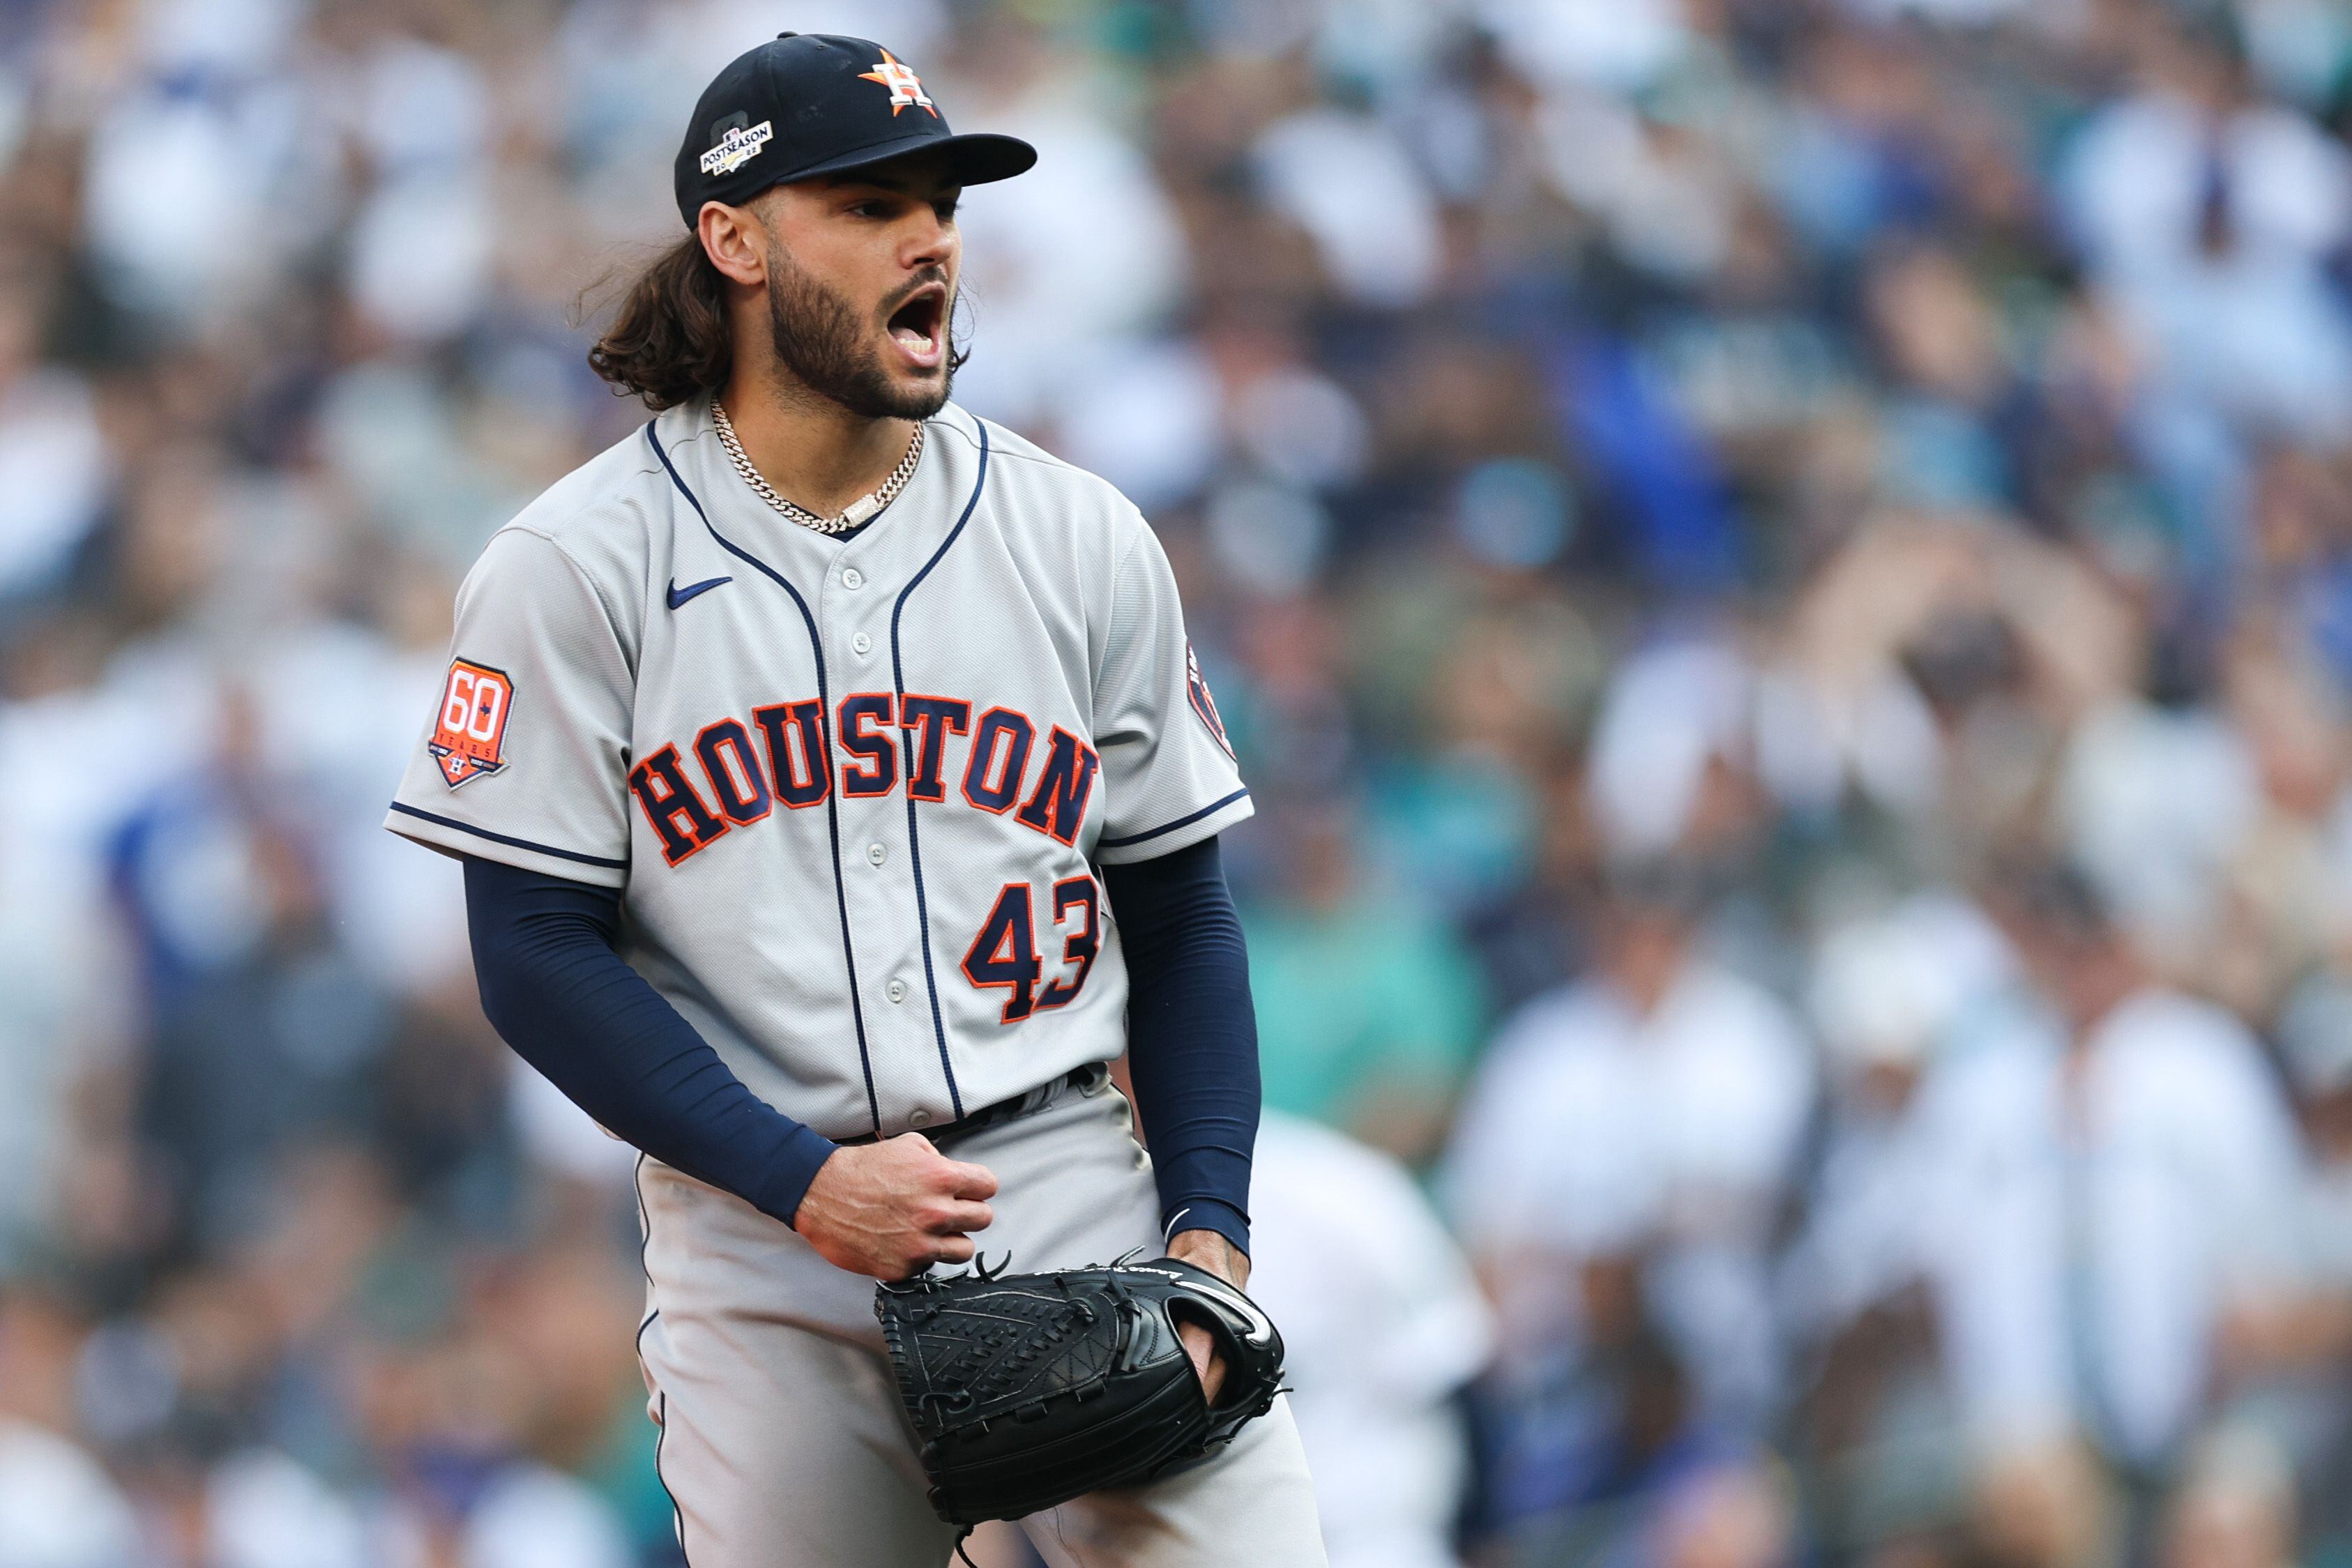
(678,596)
(1261,1327)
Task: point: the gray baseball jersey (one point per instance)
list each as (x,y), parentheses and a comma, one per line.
(851,788)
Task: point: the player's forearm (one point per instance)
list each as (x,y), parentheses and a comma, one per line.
(555,988)
(1191,1035)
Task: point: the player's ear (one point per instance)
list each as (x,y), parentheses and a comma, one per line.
(736,242)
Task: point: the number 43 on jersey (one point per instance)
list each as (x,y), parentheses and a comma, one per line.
(1005,951)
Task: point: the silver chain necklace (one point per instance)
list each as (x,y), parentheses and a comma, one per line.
(858,511)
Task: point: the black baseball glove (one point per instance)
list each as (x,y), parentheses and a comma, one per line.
(1028,1390)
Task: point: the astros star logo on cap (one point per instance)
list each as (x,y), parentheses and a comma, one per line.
(905,86)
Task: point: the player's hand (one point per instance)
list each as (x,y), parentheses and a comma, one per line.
(891,1209)
(1208,1250)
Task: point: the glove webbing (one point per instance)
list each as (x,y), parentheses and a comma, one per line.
(992,1371)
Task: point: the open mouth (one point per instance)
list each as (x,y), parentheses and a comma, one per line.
(920,325)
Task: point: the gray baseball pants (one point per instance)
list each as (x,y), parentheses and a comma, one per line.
(782,1443)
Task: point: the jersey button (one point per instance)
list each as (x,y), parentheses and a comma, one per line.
(878,853)
(862,643)
(895,991)
(919,1119)
(852,578)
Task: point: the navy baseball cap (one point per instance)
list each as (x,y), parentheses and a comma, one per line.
(806,104)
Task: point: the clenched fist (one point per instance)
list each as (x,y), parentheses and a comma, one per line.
(891,1209)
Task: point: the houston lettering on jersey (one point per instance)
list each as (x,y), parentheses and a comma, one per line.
(794,754)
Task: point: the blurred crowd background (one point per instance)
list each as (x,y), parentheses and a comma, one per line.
(1782,573)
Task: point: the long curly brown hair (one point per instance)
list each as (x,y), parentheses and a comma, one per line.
(669,341)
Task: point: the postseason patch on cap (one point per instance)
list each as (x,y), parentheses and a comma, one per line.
(737,147)
(469,736)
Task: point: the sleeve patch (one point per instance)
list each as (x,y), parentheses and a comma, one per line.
(469,735)
(1197,687)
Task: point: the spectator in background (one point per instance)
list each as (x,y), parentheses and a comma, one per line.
(1620,1466)
(2127,1174)
(52,460)
(1383,1326)
(1859,1281)
(2281,902)
(262,1026)
(1367,1006)
(59,1507)
(1630,1132)
(2210,214)
(2289,1357)
(444,1416)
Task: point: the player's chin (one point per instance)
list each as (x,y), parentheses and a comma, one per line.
(914,393)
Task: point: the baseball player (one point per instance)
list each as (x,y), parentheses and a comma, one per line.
(838,796)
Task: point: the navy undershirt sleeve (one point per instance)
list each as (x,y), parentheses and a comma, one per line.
(1191,1035)
(555,988)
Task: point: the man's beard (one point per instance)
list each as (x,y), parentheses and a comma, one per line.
(821,340)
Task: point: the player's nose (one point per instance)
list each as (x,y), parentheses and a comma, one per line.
(930,241)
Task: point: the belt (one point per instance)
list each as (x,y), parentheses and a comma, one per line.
(1085,1077)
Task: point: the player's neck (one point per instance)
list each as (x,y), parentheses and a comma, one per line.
(816,453)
